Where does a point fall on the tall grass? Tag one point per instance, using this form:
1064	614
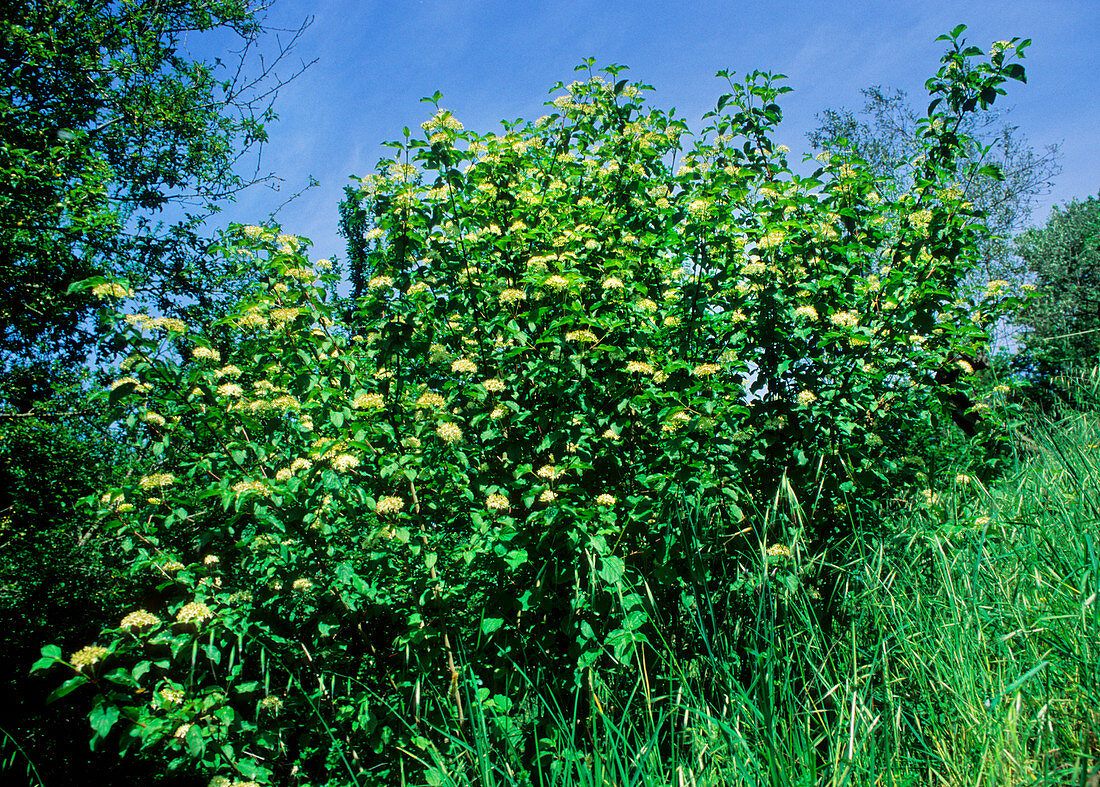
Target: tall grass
967	652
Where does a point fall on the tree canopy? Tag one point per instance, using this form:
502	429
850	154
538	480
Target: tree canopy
116	145
1061	322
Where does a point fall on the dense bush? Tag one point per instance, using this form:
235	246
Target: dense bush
362	521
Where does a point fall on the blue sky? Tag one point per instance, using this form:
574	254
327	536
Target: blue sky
494	60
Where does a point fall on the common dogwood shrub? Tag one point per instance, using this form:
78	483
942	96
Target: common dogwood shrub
356	519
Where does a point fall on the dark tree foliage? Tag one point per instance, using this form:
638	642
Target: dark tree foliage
354	224
884	134
58	578
1061	323
115	146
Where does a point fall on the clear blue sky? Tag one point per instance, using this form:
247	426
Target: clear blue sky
494	60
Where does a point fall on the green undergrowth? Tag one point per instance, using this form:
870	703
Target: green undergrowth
966	652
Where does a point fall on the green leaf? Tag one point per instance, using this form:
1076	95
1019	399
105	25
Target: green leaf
612	568
51	654
120	392
69	686
489	625
196	744
103	718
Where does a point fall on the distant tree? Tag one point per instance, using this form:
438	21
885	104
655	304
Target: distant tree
885	135
1062	321
116	145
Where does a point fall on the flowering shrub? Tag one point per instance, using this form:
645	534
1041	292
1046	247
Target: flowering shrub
562	332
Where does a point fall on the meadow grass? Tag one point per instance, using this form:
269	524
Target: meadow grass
967	652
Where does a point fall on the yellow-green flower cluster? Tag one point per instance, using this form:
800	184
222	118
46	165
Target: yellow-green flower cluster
287	243
449	432
379	282
920	219
230	371
206	354
138	385
194	612
156	480
549	472
806	398
442	119
844	319
139	619
676	421
284	315
706	369
772	239
582	335
87	656
300	464
493	385
252	319
389	505
344	462
271	703
512	296
638	367
231	390
111	290
301	273
497	503
806	312
369	401
251	488
464	366
158	323
430	400
605	500
285	402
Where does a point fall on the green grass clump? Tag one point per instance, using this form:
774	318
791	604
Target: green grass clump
966	652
